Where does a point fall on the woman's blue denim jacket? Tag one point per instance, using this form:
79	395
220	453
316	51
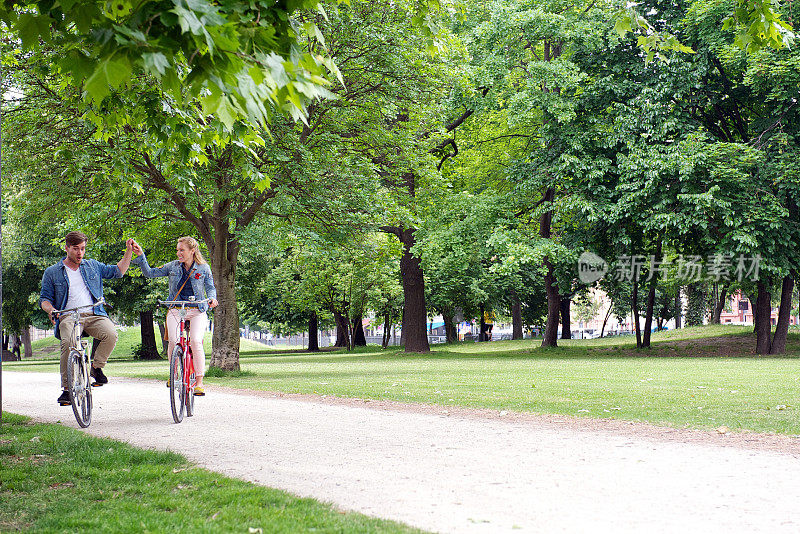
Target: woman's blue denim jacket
202	281
55	284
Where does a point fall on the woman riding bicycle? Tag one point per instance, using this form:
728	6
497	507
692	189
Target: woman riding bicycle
189	279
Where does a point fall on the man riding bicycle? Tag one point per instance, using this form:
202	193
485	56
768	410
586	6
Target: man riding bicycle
78	281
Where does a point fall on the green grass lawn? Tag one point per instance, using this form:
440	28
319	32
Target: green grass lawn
702	377
58	479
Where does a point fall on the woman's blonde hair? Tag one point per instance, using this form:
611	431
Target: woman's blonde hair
194	246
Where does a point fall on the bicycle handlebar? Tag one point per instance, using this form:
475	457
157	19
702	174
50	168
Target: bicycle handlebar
98	303
182	303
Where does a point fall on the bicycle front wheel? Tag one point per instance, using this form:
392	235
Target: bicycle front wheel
190	384
80	390
177	386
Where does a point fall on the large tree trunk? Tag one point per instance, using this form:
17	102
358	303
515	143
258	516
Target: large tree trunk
149	347
566	322
450	331
778	345
415	313
414	335
516	318
225	341
651	299
763	319
550	338
678	308
720	305
342	328
359	339
26	342
553	308
313	332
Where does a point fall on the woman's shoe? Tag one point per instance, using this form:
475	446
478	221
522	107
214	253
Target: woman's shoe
199	391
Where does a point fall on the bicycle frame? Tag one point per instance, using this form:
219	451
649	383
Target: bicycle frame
188	358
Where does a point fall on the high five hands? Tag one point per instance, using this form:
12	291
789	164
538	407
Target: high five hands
134	246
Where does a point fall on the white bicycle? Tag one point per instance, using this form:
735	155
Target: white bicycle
78	368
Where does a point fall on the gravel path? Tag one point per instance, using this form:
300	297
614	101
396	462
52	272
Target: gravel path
456	470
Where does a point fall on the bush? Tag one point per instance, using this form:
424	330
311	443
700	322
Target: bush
137	351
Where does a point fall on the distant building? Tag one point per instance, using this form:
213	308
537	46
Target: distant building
742	312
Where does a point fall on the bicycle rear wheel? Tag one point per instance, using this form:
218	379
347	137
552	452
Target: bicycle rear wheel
177	387
80	390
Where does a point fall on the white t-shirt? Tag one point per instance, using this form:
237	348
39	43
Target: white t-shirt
78	291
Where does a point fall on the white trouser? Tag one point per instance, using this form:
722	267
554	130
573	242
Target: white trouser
198	324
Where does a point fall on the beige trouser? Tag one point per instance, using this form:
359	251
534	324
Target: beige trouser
198	324
99	327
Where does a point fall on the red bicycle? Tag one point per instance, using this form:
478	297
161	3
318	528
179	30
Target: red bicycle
182	379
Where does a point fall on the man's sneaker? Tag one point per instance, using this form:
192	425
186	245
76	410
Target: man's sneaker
63	399
99	377
199	391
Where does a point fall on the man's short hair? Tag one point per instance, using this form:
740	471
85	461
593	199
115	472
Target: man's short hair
75	238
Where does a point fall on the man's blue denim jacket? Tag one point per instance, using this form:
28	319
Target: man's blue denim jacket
55	284
202	281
